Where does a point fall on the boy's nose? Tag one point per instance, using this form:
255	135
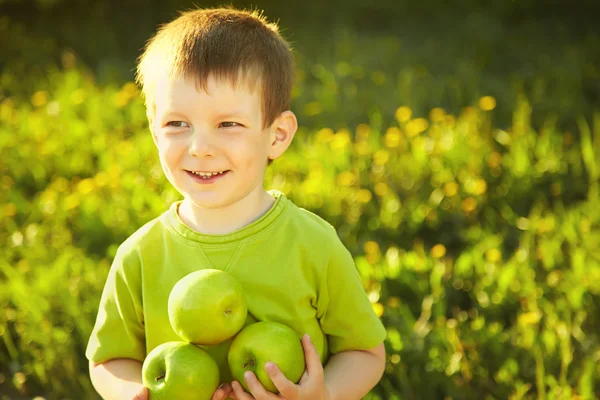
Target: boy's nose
200	145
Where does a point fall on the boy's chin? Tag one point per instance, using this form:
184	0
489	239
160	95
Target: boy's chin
213	200
208	202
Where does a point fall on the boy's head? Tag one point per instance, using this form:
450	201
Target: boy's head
239	47
218	85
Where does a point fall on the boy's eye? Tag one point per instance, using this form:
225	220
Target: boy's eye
229	124
177	124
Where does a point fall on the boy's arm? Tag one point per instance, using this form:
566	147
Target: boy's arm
118	379
351	374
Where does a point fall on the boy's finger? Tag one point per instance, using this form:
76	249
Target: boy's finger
217	395
232	396
313	361
304	378
222	392
142	394
256	388
238	391
227	389
286	387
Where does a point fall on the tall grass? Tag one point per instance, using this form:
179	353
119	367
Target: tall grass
478	244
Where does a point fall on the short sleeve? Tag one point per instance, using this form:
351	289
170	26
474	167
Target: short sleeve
346	314
119	328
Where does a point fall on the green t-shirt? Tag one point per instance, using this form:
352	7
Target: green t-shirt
290	262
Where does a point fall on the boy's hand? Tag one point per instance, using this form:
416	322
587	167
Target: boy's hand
222	392
142	394
310	387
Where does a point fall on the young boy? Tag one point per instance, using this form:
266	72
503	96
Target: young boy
217	84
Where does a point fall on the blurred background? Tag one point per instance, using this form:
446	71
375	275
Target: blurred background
455	146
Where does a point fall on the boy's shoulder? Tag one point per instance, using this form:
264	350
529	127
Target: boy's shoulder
317	237
145	237
312	227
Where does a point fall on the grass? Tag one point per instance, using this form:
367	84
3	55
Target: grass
468	199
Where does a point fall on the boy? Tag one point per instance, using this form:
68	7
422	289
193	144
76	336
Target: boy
217	84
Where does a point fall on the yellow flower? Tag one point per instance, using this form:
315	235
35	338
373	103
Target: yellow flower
85	186
371	247
469	204
39	98
340	140
493	255
487	103
346	178
450	120
10	210
529	318
378	308
392	137
362	148
438	251
546	224
381	189
324	135
494	159
365	195
437	114
130	89
416	126
450	189
403	114
71	202
381	157
479	187
393	302
363	131
121	99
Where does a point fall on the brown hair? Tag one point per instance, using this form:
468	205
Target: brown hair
225	43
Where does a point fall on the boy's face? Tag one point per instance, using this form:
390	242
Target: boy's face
212	145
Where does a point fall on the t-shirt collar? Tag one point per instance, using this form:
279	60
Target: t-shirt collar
173	221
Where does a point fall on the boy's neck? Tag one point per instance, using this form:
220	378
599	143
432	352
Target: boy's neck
228	219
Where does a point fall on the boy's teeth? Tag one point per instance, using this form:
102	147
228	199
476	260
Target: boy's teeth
206	174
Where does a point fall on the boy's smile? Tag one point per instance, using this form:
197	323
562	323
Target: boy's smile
213	147
206	177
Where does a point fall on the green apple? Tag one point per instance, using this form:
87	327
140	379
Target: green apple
266	341
207	307
220	351
179	370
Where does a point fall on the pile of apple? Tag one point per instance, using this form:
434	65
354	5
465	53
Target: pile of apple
207	308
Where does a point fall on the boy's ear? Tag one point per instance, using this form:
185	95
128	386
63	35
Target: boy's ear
282	133
151	126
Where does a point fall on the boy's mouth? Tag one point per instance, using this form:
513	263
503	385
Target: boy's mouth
206	176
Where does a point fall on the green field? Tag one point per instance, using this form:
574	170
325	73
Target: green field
461	171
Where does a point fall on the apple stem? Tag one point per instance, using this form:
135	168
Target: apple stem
160	377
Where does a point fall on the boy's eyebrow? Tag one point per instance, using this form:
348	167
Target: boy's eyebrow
171	112
232	113
238	113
